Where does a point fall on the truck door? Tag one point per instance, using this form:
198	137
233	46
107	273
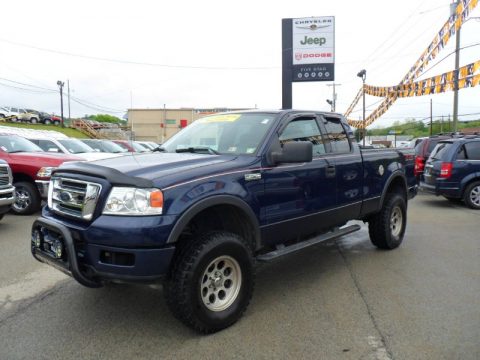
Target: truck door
349	170
298	197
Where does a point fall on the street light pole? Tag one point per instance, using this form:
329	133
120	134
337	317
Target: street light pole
363	75
60	85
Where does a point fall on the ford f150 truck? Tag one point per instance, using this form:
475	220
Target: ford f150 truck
31	169
7	191
228	190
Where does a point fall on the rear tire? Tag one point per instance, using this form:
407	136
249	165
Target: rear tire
33	120
387	227
472	195
211	282
27	199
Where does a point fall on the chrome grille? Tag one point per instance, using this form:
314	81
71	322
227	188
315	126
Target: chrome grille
74	198
5	175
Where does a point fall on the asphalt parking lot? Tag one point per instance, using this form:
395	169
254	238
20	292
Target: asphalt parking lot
342	299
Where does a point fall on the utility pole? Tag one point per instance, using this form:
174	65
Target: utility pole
333	102
431	118
453	7
68	89
164	123
60	85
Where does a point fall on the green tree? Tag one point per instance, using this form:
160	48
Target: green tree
104	118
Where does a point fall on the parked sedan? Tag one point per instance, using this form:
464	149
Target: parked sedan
104	146
69	146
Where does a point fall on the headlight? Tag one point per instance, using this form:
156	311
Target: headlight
132	201
45	172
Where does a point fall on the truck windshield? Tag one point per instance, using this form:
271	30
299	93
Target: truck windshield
76	146
14	144
236	134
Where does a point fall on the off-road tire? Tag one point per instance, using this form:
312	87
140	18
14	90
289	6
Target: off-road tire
27	199
186	281
472	195
387	227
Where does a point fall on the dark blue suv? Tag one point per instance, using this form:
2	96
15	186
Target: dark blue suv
453	170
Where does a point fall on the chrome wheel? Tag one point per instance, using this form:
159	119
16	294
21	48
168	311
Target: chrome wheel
475	195
396	221
221	283
22	199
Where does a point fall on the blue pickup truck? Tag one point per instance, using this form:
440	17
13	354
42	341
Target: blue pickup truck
228	190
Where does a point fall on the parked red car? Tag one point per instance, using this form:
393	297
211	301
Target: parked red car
31	169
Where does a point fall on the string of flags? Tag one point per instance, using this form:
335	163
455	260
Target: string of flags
437	84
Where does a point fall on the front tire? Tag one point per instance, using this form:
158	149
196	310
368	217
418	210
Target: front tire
472	195
33	120
387	227
211	282
27	199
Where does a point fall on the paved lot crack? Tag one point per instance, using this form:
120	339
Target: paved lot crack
382	351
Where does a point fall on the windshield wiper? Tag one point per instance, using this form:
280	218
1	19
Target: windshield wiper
198	149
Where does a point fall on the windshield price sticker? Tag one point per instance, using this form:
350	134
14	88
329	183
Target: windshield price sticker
220	118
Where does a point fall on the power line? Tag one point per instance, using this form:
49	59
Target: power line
129	62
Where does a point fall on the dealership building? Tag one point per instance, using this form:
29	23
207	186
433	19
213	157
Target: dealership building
159	125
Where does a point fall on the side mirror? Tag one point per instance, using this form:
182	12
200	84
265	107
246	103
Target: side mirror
294	152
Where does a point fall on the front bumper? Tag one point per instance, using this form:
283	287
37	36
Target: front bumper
7	197
92	264
42	187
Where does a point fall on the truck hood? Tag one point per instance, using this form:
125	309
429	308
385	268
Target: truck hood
155	168
93	156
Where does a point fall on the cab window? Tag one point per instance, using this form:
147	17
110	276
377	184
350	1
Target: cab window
337	135
304	129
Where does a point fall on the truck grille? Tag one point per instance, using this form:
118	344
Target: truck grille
5	176
74	198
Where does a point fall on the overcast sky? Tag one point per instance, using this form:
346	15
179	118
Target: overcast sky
216	54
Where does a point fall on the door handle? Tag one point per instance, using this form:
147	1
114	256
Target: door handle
330	171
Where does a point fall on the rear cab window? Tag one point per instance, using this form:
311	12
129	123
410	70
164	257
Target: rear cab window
337	135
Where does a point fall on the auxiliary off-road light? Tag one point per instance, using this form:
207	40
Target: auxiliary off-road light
57	249
36	238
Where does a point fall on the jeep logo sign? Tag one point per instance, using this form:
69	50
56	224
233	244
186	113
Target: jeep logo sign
310	41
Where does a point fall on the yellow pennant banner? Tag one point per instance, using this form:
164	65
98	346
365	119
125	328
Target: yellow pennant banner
434	85
440	40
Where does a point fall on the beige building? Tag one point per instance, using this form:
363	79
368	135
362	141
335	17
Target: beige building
159	125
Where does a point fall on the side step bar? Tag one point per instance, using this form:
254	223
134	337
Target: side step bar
306	243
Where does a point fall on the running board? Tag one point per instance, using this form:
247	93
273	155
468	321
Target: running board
304	244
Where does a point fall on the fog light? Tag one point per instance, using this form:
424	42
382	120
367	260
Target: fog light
57	250
36	238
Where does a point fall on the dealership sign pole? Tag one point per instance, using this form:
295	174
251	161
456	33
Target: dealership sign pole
308	52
